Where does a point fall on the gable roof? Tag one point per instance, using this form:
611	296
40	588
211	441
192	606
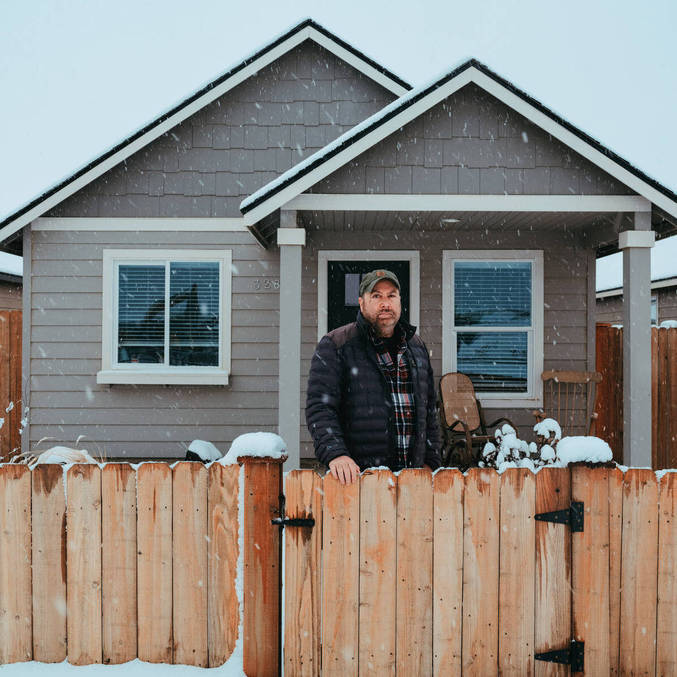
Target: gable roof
305	30
409	106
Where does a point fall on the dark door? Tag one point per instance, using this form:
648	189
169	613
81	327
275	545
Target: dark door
343	286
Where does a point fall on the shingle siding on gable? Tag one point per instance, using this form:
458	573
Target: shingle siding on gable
471	143
208	164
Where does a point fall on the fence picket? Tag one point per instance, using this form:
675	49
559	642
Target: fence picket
517	570
666	640
447	572
639	573
262	576
414	572
189	557
223	608
590	568
154	564
118	535
83	564
553	571
480	572
15	564
340	582
303	575
615	559
49	564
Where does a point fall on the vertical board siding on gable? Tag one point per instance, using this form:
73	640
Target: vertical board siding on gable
471	143
207	164
565	296
132	421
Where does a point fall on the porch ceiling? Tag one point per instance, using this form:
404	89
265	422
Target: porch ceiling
385	221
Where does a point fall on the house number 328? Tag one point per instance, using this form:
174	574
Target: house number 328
266	283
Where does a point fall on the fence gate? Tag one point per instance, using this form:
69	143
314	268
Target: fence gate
414	574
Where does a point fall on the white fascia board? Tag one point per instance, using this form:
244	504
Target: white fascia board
356	62
142	224
573	141
284	196
608	293
470	203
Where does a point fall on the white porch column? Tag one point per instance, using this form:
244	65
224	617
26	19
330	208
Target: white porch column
636	245
290	239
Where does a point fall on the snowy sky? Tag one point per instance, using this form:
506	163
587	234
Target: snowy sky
79	76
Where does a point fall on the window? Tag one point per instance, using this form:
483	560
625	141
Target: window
654	311
166	317
493	323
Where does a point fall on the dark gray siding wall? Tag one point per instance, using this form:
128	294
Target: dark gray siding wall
471	143
208	164
10	296
565	284
203	168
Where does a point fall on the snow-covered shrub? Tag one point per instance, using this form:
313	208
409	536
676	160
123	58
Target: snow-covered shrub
550	449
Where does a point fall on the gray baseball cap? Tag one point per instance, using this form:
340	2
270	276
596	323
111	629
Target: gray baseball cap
370	280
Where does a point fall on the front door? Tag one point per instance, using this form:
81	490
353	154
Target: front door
343	284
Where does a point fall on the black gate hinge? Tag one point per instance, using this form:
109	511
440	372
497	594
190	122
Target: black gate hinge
573	516
573	656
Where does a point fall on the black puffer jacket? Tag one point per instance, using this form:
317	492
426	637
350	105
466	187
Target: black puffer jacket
349	408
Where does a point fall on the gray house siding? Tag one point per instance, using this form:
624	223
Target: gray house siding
565	339
202	168
134	421
610	309
471	143
209	163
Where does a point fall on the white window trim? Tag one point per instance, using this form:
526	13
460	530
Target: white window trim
323	258
111	372
534	395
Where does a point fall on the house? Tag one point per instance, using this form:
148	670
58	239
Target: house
11	271
663	286
177	285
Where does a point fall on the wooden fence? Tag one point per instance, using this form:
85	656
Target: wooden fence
409	574
663	395
10	382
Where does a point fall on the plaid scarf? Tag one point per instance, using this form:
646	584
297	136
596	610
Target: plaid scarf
399	378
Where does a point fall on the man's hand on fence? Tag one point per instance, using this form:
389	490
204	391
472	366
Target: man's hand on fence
344	469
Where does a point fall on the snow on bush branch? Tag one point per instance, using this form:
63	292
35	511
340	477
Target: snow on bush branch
550	450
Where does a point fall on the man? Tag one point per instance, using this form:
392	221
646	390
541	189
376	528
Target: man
371	393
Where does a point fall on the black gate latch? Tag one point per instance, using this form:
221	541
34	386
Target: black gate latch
573	516
293	522
572	656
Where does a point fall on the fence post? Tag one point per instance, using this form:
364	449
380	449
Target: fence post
262	570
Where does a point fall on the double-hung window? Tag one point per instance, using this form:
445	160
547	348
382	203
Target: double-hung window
166	316
493	323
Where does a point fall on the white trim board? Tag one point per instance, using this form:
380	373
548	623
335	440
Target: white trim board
469	203
295	38
141	224
534	395
113	373
324	256
382	129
